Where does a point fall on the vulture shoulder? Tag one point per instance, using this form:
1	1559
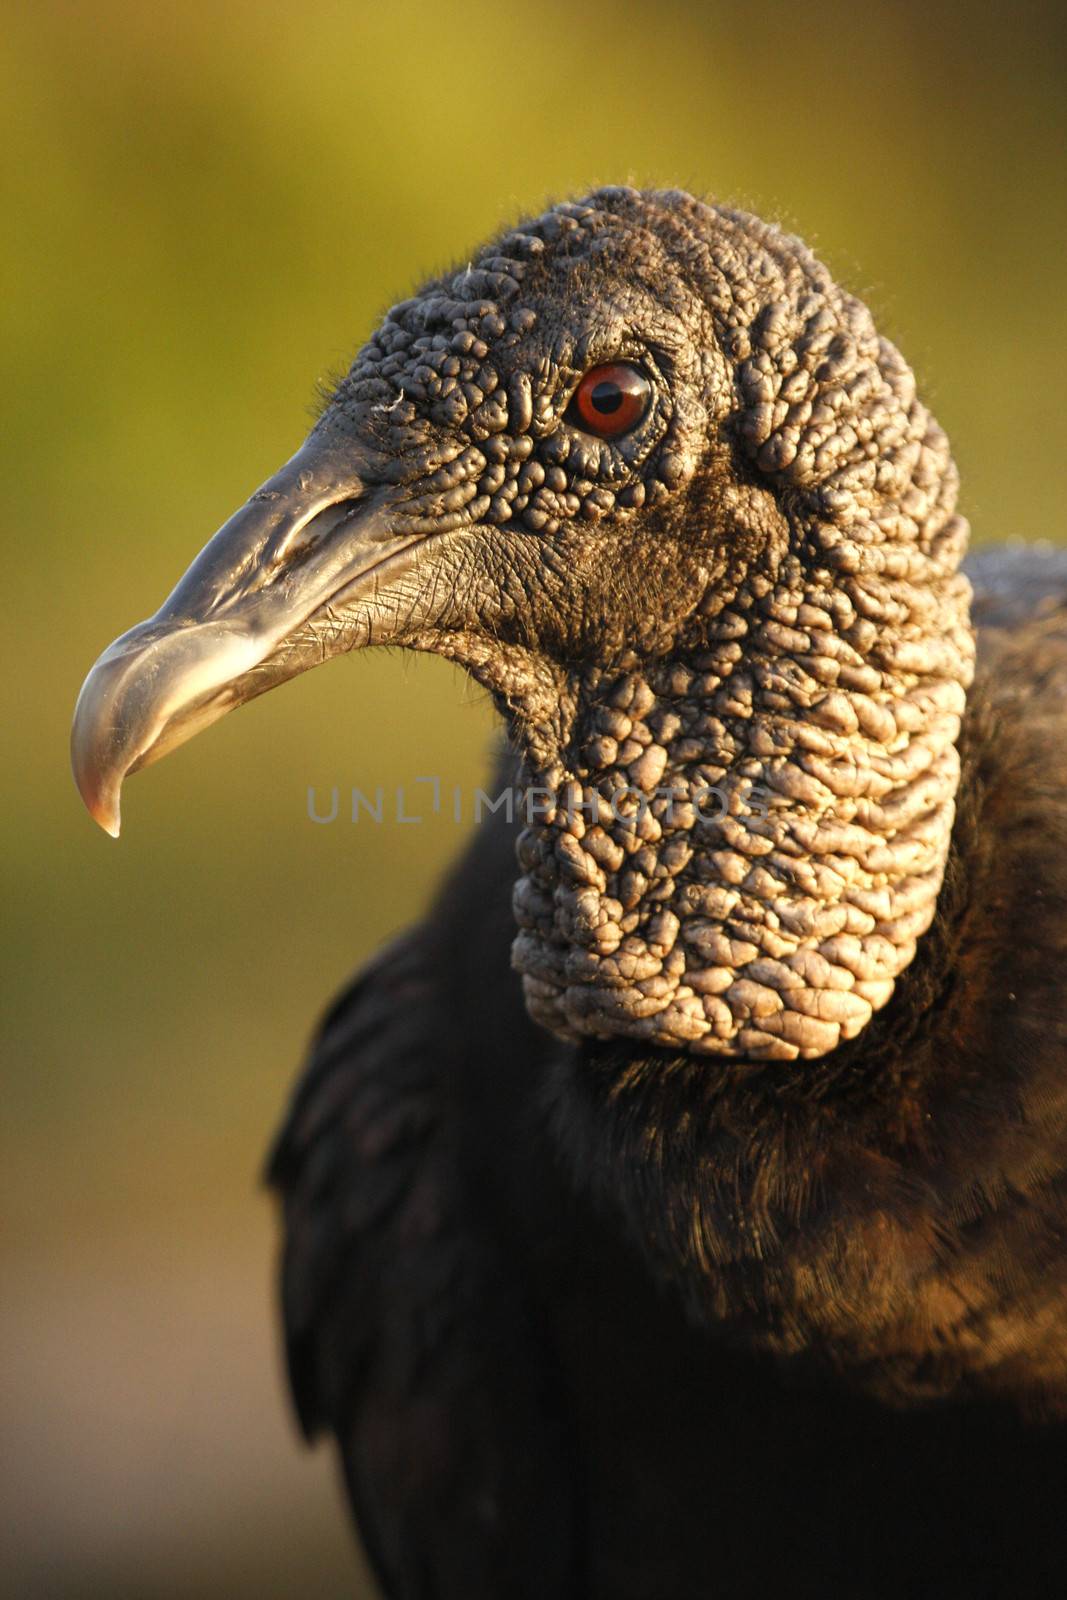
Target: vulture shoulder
407	1333
1016	584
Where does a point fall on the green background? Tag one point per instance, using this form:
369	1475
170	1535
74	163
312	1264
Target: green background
205	208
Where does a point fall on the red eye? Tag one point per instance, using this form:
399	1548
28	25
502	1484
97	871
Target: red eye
610	400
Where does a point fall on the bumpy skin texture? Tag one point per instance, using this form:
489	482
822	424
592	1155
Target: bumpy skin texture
745	1273
733	645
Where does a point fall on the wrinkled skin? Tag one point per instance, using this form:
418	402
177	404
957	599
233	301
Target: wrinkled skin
753	591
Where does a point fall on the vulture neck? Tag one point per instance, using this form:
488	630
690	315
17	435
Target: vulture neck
734	849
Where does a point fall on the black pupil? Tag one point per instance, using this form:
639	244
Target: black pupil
606	397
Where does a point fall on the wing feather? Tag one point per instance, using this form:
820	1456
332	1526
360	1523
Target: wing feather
406	1330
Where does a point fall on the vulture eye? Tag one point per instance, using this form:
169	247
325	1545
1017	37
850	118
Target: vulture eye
610	400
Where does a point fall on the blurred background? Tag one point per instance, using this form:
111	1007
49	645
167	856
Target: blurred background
205	208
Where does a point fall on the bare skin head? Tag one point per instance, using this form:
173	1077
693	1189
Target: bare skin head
656	481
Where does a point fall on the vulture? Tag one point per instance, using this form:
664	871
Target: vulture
680	1209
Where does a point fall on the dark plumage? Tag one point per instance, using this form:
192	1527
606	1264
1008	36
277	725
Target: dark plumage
711	1236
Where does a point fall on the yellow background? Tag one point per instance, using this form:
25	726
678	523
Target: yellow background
205	208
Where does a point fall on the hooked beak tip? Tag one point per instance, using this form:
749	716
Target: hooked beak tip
103	808
106	813
109	734
98	789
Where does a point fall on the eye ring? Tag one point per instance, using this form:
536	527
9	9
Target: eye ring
610	400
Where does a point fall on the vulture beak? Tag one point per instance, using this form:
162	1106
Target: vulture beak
260	603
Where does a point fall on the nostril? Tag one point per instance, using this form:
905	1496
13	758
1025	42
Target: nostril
298	541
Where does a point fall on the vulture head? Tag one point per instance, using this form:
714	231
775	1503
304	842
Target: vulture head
657	483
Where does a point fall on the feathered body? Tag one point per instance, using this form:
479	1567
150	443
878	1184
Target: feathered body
611	1321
